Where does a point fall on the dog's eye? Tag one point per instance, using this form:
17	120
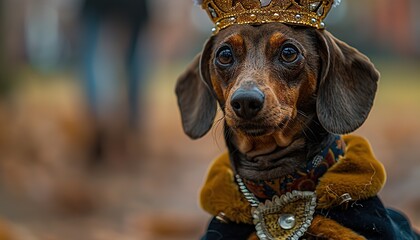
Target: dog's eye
289	53
224	56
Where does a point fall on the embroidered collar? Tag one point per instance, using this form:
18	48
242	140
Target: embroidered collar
358	174
288	205
305	179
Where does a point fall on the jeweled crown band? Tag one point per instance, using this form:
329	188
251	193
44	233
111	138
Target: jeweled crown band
225	13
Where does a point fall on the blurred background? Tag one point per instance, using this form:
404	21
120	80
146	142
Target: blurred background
91	144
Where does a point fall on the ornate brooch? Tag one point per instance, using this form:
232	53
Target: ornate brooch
286	217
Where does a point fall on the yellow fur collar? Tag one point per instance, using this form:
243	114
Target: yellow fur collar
357	173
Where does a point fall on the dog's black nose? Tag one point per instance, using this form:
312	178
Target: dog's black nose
247	102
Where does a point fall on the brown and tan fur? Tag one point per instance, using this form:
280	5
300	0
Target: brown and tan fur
329	89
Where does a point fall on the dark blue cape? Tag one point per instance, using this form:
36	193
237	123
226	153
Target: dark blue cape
368	218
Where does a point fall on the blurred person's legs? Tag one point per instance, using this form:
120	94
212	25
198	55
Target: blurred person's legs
110	54
100	67
90	36
138	60
136	69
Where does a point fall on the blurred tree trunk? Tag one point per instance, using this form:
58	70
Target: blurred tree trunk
4	82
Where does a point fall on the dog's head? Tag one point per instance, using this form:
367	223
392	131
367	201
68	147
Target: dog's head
273	80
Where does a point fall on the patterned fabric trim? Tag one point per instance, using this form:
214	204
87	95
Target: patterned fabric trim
305	179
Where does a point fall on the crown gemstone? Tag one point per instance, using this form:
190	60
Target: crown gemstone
265	3
313	20
298	17
322	24
320	11
253	17
314	6
213	12
232	19
276	16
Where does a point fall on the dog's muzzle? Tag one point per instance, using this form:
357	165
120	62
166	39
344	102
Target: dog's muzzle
247	103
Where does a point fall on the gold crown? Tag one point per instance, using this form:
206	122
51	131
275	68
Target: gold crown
225	13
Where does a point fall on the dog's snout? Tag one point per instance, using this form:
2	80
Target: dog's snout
247	102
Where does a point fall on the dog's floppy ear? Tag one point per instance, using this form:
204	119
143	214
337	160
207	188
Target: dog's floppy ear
196	101
347	86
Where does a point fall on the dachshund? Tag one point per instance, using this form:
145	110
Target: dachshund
285	93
